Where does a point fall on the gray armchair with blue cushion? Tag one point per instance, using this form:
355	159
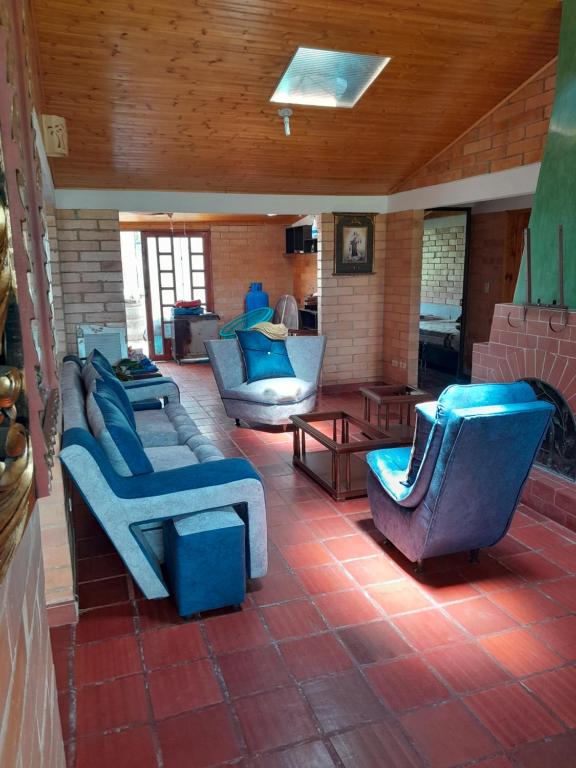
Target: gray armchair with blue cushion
268	400
458	487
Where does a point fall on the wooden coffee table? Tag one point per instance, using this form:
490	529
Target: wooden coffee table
339	466
402	399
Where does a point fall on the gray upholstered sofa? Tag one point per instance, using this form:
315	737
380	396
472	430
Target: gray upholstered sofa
269	401
189	474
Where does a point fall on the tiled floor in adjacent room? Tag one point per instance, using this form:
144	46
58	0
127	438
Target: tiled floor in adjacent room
339	657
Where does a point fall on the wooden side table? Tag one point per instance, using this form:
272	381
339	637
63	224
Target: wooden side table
399	396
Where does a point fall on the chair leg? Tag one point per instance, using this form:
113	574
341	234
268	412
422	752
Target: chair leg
237	422
474	555
419	567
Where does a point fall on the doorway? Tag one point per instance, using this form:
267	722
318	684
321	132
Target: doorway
445	252
176	268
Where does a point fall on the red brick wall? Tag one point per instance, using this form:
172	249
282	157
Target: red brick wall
513	134
246	253
402	278
30	732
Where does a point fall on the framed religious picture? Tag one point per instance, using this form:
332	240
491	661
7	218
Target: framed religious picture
354	243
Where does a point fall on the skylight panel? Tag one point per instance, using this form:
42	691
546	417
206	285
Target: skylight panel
318	78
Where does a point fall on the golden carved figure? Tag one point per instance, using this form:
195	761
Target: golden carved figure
16	466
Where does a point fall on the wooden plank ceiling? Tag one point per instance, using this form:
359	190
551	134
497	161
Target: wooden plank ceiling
174	95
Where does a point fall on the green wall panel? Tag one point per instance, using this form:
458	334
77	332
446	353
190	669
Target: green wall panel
555	199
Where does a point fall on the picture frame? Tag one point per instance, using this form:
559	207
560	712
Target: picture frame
354	243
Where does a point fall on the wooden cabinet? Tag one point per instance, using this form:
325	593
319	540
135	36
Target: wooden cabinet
300	240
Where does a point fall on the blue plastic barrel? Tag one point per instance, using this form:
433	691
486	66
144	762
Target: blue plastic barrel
256	297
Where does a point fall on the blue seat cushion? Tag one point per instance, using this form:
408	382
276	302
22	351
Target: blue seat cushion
281	391
264	358
119	439
389	466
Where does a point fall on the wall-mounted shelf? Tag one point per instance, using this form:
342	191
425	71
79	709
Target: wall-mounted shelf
300	240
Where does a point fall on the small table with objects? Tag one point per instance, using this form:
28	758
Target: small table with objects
336	460
393	401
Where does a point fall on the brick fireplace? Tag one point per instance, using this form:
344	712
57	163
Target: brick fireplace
537	348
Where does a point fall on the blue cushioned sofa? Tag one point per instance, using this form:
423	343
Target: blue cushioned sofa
180	473
458	487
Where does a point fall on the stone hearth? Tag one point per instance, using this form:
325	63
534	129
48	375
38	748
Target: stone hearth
537	348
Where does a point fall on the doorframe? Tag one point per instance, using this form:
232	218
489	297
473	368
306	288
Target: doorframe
467	210
176	231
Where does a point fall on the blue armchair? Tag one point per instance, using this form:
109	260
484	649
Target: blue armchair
458	487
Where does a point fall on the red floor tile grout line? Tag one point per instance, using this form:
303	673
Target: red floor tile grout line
435	607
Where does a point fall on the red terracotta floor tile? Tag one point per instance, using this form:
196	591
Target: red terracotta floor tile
480	616
559	635
92	546
343	700
103	567
512	715
116	657
207	735
373	570
313	510
253	670
61	659
533	567
342	609
175	690
399	597
311	755
446	587
294	619
556	752
306	555
490	575
505	547
296	532
466	667
494	762
538	537
326	578
112	704
64	711
103	623
154	614
563	590
236	632
164	647
562	555
527	605
276	563
314	656
406	683
331	527
557	689
132	748
428	629
377	641
351	547
94	594
276	588
372	746
520	653
274	719
448	735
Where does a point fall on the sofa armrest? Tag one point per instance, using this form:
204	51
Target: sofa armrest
148	389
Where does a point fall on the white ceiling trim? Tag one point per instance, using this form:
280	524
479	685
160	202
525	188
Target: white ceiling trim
490	186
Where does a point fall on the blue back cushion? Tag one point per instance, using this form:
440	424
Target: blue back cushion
122	433
97	357
477	395
110	385
263	357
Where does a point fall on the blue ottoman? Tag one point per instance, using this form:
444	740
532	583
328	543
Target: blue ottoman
204	556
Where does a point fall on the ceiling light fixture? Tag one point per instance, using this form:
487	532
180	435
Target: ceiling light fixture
286	114
319	78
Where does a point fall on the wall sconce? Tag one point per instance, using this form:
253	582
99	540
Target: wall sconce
286	114
55	135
